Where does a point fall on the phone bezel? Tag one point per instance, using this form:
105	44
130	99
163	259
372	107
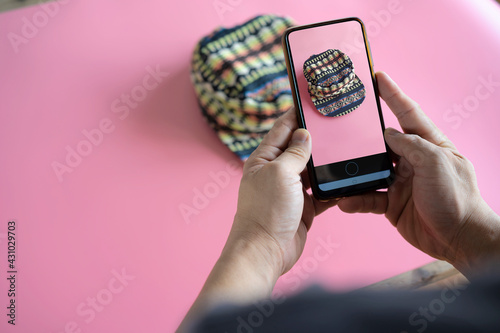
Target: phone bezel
354	189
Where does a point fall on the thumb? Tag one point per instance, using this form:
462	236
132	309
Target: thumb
410	146
298	152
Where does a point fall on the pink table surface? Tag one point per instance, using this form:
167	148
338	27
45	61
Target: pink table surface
105	247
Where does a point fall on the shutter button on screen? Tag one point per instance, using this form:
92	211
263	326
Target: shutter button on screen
351	168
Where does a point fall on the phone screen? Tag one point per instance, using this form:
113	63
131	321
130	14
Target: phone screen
339	105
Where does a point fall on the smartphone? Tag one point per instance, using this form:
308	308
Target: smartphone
336	98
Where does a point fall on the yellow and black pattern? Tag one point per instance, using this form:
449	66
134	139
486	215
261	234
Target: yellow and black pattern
240	79
334	88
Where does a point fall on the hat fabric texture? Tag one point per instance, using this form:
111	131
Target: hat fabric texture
240	79
332	84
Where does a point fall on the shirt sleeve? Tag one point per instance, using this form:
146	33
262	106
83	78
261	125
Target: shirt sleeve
453	308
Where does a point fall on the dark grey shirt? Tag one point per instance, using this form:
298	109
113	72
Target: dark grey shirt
454	308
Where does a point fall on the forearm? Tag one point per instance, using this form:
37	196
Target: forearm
478	242
240	276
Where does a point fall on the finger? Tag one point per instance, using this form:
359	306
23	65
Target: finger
322	206
372	202
410	116
275	141
296	156
306	182
412	147
282	130
308	213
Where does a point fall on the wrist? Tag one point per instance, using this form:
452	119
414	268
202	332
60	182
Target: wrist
257	256
243	274
478	241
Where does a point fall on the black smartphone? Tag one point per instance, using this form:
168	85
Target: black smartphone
336	98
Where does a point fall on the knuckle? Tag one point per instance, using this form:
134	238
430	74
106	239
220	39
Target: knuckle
284	123
469	165
413	138
297	151
420	151
276	170
463	163
414	144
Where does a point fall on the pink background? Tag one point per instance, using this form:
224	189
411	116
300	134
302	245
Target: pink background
120	207
356	134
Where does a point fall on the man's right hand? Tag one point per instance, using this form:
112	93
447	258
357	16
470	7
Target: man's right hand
434	202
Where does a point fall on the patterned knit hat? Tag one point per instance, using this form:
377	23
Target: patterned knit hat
334	87
240	79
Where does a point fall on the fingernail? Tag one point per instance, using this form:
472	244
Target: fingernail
300	135
391	131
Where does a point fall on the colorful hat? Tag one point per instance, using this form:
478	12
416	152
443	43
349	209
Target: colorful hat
332	84
240	79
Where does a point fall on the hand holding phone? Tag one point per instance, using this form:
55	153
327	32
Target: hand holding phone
336	98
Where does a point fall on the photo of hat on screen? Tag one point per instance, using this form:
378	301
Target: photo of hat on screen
333	86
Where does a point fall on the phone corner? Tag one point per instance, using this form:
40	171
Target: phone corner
287	32
357	19
318	196
392	178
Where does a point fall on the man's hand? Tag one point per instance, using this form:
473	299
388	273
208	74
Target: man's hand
434	202
270	227
274	209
